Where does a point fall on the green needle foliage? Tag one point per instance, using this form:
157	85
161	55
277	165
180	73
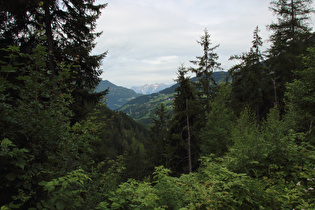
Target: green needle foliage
216	136
301	99
251	84
205	66
290	39
69	29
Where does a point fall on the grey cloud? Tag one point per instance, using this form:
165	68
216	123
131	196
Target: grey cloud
148	39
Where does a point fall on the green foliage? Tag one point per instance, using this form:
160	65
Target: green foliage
214	186
143	107
158	135
134	195
170	190
64	191
39	144
104	179
15	156
273	156
121	135
290	39
183	142
251	84
257	148
230	190
206	65
69	29
34	117
49	160
13	162
216	136
248	148
301	99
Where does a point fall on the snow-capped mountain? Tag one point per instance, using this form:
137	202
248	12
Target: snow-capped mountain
150	88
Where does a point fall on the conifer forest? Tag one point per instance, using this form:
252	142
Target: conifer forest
245	142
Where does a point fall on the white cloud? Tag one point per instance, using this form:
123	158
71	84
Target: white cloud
148	39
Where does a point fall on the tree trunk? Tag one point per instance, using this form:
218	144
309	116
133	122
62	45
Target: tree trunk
276	103
48	31
188	138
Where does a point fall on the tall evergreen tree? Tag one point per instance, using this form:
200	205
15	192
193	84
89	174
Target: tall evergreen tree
250	80
301	98
35	124
216	136
183	148
290	39
69	29
205	66
159	134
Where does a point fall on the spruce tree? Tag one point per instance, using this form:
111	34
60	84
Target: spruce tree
183	148
250	80
216	136
289	40
159	134
205	66
301	99
69	27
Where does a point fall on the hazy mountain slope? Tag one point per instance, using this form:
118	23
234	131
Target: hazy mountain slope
117	95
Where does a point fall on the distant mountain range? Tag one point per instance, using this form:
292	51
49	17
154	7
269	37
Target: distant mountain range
142	108
117	95
150	88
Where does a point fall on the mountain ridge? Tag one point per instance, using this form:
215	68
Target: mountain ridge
117	95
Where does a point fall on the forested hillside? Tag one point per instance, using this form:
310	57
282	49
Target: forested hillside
246	143
117	95
142	108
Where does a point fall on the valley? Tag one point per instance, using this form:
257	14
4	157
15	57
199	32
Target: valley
141	107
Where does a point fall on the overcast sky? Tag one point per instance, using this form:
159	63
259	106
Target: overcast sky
147	40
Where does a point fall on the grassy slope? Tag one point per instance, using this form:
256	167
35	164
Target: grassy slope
142	108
